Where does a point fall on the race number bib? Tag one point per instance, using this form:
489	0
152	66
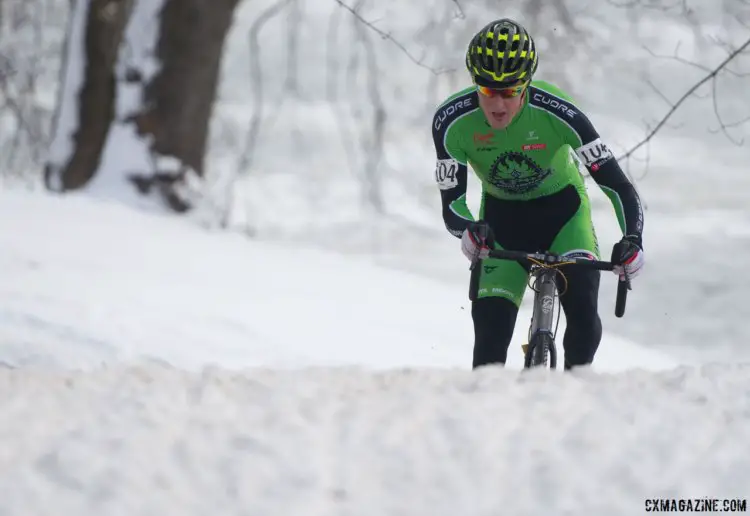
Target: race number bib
446	173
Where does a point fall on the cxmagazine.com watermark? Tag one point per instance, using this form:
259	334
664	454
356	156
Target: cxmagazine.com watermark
695	505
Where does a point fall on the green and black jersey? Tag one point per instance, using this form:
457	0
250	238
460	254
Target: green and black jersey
514	164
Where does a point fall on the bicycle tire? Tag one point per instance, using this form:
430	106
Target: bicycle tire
541	352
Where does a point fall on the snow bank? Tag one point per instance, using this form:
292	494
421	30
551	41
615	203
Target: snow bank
156	440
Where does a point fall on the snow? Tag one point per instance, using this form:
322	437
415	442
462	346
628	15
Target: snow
152	365
155	367
138	53
142	278
156	440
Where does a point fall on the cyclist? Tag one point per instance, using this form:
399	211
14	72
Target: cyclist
527	141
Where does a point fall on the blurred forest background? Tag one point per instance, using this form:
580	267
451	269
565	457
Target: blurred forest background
338	96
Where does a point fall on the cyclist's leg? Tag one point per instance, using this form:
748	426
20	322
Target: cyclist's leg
501	288
580	288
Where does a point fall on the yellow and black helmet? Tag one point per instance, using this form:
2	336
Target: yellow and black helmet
501	54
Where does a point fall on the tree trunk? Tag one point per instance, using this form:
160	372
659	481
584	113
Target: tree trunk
179	100
105	24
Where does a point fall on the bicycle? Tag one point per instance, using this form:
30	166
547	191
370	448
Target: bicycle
543	269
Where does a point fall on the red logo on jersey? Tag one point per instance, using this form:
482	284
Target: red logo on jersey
483	138
534	146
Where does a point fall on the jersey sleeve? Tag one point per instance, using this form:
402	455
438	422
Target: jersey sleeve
599	161
451	172
606	172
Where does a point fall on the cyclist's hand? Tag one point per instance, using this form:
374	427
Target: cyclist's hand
476	241
628	252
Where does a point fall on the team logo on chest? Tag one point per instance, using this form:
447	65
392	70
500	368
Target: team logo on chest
484	142
515	173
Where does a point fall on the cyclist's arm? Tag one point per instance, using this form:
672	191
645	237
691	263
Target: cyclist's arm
596	156
606	172
603	167
451	176
608	175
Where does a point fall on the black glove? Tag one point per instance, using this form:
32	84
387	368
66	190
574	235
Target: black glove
628	255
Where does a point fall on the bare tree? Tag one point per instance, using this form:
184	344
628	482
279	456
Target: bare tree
729	11
373	142
105	23
711	75
291	83
385	35
180	98
25	46
177	102
251	138
333	67
369	120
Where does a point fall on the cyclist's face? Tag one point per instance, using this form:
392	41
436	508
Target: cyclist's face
499	107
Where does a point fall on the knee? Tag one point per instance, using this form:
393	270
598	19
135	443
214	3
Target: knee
585	326
582	338
586	319
580	301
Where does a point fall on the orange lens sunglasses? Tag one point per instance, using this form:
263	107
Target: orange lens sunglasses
506	93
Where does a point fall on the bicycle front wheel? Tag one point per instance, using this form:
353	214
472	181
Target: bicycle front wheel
541	352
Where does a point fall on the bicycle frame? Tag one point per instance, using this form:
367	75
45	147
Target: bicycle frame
541	339
544	301
544	269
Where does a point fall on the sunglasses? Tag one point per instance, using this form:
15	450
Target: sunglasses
506	93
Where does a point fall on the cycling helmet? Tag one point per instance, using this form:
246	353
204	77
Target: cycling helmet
501	54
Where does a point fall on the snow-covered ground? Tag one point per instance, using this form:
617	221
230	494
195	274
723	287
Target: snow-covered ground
157	368
157	440
86	281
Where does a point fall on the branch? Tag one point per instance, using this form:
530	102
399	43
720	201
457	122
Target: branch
658	92
628	4
291	83
633	3
256	76
461	13
332	70
700	83
691	63
723	126
387	36
734	124
14	103
374	147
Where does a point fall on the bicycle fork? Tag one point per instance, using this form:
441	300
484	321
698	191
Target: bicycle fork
541	336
